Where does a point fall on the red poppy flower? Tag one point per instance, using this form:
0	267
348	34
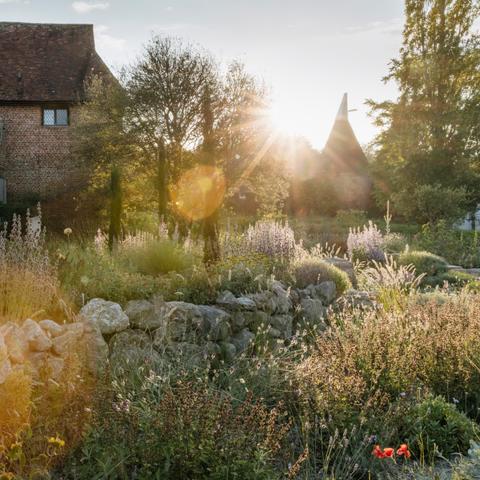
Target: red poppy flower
378	452
385	453
403	450
388	452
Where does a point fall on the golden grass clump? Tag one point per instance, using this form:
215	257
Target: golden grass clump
28	278
15	401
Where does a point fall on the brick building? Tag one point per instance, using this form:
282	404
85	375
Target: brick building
43	70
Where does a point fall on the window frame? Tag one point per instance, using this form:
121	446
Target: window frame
55	108
3	197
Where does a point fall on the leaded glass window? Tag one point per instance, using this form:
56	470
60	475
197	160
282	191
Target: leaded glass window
55	117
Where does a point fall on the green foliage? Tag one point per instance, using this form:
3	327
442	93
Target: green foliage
432	203
316	198
424	262
468	468
186	430
461	468
459	248
271	188
457	279
311	271
366	361
351	218
155	257
430	133
239	275
391	284
88	274
436	424
394	243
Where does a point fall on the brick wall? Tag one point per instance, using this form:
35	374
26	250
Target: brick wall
37	160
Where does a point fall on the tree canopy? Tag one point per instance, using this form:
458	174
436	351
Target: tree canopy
430	134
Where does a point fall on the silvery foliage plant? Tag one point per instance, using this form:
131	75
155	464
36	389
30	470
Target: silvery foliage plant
366	243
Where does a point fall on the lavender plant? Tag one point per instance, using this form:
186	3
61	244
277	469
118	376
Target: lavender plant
366	243
271	238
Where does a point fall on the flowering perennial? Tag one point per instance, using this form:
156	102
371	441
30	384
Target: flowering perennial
366	243
389	452
273	239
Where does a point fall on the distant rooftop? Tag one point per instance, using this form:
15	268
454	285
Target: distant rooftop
342	152
47	62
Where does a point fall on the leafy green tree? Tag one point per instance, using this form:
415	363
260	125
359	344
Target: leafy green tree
153	126
166	89
430	135
431	203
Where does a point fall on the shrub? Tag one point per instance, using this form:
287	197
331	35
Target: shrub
239	275
89	273
460	248
366	243
42	419
394	243
456	279
310	271
431	203
424	262
467	468
191	431
367	359
15	398
156	257
436	424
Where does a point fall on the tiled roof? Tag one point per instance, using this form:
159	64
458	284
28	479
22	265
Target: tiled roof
342	152
47	62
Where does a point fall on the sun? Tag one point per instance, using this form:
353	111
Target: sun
284	119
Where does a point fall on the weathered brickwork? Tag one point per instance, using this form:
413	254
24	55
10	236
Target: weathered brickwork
43	65
38	160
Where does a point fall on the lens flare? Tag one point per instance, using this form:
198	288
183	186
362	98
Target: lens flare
199	192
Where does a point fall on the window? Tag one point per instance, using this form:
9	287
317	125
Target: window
3	190
55	117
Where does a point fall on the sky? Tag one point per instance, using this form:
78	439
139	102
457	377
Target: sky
309	52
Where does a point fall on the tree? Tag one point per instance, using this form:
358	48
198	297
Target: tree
177	111
211	252
101	141
430	135
252	155
114	231
166	90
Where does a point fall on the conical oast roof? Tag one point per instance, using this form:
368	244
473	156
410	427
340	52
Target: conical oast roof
344	165
342	152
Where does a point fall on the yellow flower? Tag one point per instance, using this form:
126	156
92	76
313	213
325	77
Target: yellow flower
57	441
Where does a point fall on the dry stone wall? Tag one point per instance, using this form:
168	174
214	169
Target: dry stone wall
148	330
